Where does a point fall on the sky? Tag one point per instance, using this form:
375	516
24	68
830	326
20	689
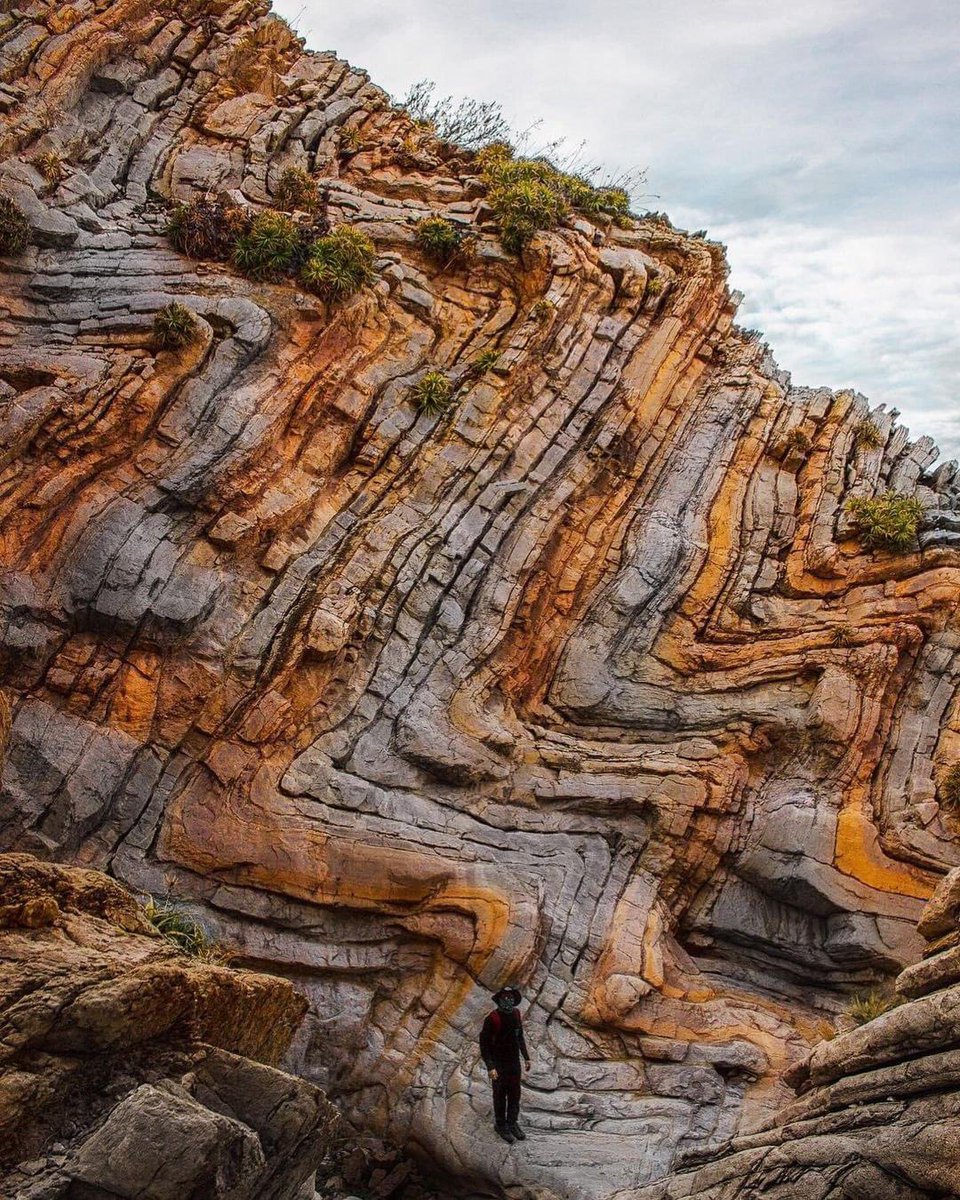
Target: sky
818	139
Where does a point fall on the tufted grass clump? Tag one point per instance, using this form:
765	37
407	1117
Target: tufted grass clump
797	439
531	194
297	190
887	522
50	166
339	263
174	327
542	309
187	934
350	143
484	362
439	239
14	227
843	635
948	789
867	1006
433	393
268	248
868	435
468	123
208	228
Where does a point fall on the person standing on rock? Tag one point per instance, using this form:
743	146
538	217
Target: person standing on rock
501	1046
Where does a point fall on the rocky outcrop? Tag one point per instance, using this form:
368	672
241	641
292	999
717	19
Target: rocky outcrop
130	1070
583	683
879	1107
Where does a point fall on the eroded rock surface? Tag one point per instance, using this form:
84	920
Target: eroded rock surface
879	1111
582	684
130	1070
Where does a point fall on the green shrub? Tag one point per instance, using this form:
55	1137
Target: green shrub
467	123
433	393
530	194
339	263
887	522
296	190
207	228
868	435
867	1006
654	285
542	309
174	327
50	166
948	788
439	238
183	931
350	142
14	227
268	248
797	439
484	362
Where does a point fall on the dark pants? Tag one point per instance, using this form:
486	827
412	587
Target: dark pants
506	1098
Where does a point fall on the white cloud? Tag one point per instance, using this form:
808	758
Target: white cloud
819	140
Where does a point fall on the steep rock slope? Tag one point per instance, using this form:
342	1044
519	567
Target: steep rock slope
582	683
879	1111
126	1067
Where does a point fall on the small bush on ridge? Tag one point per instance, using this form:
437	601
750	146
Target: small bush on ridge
887	522
530	194
184	932
296	190
433	393
797	439
867	1006
484	362
14	227
207	228
948	788
339	263
868	434
269	246
439	238
468	123
174	327
50	166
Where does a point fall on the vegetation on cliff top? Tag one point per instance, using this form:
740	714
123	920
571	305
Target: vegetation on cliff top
887	522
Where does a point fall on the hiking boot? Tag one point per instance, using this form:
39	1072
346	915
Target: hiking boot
504	1132
518	1134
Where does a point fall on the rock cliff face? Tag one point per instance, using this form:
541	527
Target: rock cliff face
126	1069
583	683
879	1111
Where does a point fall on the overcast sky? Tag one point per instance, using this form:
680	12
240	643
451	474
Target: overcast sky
819	139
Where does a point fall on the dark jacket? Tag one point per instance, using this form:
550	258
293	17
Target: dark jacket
502	1043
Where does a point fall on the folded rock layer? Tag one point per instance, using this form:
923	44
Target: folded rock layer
583	683
128	1069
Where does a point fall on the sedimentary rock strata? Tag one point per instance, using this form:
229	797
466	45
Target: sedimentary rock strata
130	1070
584	683
879	1107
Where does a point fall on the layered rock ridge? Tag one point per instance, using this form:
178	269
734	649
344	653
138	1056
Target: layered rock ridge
129	1070
583	683
879	1107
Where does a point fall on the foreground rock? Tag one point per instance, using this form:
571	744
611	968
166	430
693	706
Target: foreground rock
878	1116
582	683
130	1070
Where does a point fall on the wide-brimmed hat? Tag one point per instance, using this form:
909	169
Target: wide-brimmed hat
506	991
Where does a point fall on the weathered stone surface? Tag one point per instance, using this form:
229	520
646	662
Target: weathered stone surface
583	683
878	1117
122	1065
